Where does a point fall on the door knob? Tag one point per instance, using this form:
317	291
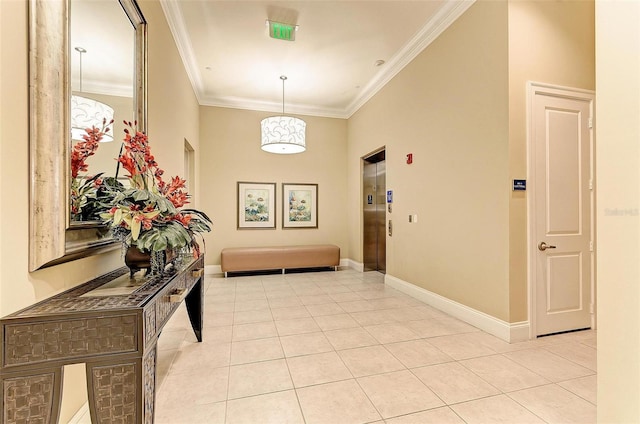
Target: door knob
544	246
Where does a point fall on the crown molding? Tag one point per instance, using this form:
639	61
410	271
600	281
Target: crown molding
109	89
447	14
264	106
173	13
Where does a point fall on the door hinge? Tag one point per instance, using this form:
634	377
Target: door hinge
591	308
590	184
590	122
591	246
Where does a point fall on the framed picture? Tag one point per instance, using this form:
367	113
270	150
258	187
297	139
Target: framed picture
256	205
299	205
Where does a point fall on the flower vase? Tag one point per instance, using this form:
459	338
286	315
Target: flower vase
136	260
154	263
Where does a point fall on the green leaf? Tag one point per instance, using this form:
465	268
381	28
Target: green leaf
135	228
150	215
117	217
197	213
141	195
160	244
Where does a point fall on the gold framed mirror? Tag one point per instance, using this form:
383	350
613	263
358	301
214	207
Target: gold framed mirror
53	238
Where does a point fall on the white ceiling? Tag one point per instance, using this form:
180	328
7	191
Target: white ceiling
101	28
331	66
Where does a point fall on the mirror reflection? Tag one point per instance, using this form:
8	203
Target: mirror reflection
102	64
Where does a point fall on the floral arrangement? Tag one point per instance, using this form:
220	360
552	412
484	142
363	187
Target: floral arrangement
146	214
85	189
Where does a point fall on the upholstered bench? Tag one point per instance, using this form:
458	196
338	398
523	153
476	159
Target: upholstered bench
238	259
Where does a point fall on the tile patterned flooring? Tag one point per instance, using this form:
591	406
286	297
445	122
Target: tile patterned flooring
341	347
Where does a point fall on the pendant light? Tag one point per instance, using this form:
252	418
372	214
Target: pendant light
283	134
87	113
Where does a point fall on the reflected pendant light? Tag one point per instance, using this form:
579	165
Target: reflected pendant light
87	113
283	134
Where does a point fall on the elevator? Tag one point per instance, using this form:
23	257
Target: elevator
374	212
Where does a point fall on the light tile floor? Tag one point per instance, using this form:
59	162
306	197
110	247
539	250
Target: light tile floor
340	347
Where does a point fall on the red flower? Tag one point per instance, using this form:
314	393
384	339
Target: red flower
128	164
182	219
178	199
174	192
137	157
87	147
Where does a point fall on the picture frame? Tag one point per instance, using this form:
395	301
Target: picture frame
256	205
299	205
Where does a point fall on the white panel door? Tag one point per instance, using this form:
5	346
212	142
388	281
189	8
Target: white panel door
562	230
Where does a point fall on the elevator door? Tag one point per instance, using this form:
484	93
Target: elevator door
375	241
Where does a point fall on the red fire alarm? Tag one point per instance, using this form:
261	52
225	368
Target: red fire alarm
409	158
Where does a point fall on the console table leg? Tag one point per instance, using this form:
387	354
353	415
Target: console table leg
31	398
149	363
117	388
194	302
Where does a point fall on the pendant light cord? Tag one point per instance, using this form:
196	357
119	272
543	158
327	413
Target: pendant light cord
283	78
81	72
80	50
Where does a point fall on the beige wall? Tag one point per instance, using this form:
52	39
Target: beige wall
449	108
618	189
170	122
173	107
431	109
231	145
550	42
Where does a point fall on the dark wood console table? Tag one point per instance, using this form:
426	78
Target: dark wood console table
110	326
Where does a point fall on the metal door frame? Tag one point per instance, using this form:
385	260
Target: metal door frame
366	159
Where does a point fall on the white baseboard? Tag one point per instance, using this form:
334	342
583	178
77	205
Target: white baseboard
520	331
81	416
510	332
212	269
350	263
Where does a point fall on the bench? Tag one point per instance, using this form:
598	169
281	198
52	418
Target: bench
238	259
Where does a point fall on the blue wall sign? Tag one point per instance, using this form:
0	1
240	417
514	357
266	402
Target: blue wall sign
519	185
